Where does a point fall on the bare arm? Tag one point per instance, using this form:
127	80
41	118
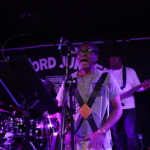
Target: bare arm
114	115
59	116
97	138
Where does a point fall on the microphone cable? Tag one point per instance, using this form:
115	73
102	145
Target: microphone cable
6	60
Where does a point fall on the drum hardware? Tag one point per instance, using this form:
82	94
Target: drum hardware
54	140
48	126
12	129
9	139
16	109
44	131
2	130
5	111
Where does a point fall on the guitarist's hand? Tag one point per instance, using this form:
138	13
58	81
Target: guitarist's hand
146	84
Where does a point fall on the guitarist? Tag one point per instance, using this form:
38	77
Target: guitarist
124	131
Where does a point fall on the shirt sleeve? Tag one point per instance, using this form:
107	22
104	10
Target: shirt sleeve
136	81
114	89
60	94
135	78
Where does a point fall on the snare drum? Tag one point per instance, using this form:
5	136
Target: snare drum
51	121
42	131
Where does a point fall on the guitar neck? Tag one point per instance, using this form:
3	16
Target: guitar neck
130	92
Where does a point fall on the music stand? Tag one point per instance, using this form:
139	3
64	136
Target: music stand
26	89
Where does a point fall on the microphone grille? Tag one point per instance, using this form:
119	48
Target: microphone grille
75	51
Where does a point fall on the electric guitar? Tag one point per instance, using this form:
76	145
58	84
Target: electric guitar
131	91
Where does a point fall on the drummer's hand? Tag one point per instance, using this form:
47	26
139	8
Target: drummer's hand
96	141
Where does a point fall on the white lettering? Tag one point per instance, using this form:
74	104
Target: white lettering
43	63
35	65
56	80
74	63
51	62
64	62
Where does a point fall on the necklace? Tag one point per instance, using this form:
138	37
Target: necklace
87	85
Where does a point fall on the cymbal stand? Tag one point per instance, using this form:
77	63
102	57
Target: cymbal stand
48	145
27	109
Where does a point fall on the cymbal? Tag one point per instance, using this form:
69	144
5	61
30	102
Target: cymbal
50	116
2	110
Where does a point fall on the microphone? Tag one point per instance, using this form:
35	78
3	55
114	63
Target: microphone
72	48
60	42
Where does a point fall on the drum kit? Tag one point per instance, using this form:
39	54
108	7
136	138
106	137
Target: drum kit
43	134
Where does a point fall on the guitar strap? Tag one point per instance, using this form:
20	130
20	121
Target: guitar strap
89	103
124	80
123	77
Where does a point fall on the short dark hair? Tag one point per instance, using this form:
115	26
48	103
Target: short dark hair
96	49
116	54
48	83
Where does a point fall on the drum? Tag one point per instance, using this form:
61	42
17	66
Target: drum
51	121
43	131
49	143
8	125
54	141
17	126
46	127
19	143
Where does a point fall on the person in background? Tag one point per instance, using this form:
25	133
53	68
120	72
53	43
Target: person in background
50	87
124	131
87	135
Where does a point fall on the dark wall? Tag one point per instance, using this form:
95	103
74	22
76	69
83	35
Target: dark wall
47	20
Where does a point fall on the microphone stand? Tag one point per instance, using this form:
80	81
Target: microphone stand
63	121
69	85
26	115
73	85
27	131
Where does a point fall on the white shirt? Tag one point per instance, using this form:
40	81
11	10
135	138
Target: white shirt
132	80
